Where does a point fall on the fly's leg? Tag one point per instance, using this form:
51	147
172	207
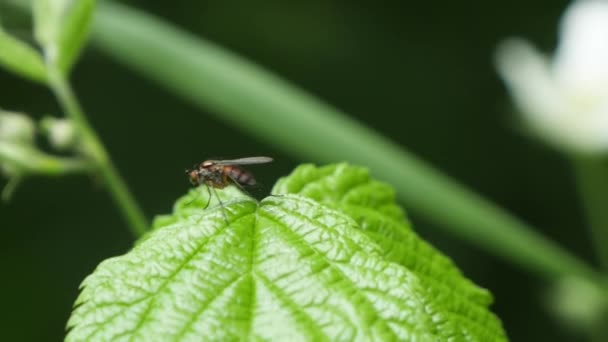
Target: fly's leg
208	196
195	198
221	205
242	188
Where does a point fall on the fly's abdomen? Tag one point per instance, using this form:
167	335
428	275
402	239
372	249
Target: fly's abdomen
239	175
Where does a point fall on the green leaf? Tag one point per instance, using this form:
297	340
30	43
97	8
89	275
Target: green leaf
20	58
287	268
47	21
75	32
372	205
61	27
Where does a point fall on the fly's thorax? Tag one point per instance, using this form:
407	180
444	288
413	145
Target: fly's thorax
207	163
211	176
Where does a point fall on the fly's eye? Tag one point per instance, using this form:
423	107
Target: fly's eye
193	177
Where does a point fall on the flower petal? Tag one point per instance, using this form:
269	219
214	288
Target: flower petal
581	60
527	75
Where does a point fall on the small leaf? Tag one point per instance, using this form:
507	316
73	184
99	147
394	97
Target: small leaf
47	20
61	27
20	58
288	268
75	32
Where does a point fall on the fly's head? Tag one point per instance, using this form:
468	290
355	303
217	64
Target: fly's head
193	176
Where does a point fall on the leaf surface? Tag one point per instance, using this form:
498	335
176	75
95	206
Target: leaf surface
372	205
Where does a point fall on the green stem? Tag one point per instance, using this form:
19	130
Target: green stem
592	179
10	187
94	148
33	161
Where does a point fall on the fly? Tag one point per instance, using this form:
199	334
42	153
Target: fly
217	174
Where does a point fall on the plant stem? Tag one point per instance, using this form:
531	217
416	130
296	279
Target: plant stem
592	179
32	161
96	151
10	187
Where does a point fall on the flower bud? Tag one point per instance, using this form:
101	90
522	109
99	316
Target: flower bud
60	132
16	128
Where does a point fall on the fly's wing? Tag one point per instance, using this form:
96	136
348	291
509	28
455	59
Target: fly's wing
242	161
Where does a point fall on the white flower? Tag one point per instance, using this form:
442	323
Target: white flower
564	100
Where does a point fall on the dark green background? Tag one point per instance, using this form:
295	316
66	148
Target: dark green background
419	72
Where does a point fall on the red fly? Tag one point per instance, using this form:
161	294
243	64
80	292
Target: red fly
217	174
